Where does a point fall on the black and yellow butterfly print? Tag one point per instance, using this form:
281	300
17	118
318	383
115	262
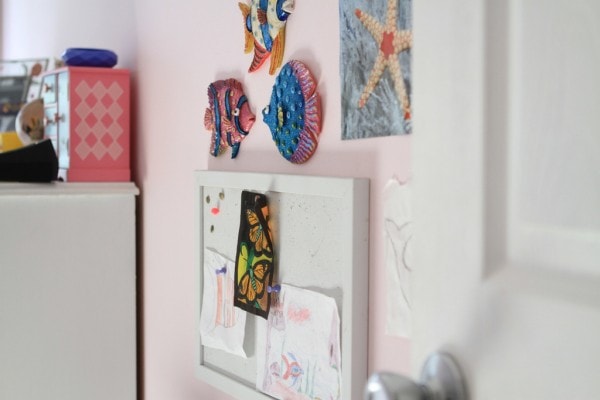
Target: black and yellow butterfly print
254	259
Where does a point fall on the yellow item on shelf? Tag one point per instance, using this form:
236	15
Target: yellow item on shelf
9	141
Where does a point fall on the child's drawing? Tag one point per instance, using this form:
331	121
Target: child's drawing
398	234
301	357
222	326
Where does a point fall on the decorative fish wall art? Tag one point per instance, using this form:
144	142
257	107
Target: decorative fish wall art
228	116
264	22
294	112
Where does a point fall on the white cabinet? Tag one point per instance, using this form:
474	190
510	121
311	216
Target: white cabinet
67	291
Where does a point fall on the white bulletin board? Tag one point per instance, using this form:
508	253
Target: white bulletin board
320	230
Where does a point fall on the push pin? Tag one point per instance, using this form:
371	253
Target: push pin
221	270
274	289
217	209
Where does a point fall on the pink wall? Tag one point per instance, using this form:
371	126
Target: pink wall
174	51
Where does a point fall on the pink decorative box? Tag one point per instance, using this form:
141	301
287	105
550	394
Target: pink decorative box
86	115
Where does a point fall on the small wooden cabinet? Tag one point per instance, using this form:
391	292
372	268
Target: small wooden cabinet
86	115
67	291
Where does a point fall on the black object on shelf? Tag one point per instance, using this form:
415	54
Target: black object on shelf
33	163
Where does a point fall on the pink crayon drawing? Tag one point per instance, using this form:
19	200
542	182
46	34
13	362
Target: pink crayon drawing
298	314
221	327
224	315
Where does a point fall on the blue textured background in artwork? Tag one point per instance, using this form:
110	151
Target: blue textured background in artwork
382	115
285	113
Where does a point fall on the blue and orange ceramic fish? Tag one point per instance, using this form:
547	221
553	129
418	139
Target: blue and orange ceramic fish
265	30
228	116
294	113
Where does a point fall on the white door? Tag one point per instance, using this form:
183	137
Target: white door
507	194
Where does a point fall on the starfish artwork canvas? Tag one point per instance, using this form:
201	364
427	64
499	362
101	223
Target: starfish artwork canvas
375	66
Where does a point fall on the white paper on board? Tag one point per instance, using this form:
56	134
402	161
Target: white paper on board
300	358
398	234
222	326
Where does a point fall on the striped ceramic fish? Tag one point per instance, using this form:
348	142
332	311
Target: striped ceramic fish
228	116
265	30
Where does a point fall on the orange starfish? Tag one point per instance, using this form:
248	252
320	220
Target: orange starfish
391	42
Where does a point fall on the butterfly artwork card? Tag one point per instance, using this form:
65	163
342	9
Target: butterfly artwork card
222	326
301	357
254	259
375	67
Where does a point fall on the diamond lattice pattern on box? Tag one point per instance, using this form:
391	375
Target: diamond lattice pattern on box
99	129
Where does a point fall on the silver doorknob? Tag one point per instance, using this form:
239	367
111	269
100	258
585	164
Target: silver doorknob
441	379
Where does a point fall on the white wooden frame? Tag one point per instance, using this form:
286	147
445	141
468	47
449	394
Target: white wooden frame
351	197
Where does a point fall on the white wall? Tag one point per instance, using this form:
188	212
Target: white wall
174	50
40	28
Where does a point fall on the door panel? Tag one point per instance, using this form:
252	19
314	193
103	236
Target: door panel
554	140
507	194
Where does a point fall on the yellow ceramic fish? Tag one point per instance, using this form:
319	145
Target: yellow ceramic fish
265	30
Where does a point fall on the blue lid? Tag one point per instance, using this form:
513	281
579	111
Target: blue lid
83	57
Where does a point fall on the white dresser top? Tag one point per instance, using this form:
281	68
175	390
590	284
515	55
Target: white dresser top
67	188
